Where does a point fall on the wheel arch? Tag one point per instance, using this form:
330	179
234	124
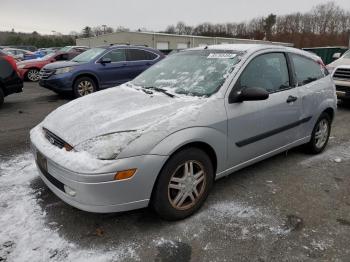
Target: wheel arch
90	75
330	111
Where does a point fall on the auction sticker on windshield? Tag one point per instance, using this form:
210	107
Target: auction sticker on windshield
221	55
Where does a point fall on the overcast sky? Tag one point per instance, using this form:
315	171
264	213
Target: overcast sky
65	16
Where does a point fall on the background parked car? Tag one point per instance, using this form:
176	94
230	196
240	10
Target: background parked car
18	54
98	68
340	70
10	82
25	47
29	69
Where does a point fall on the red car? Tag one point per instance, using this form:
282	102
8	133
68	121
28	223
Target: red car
29	69
10	82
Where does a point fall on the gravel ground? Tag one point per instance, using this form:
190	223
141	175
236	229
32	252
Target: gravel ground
292	207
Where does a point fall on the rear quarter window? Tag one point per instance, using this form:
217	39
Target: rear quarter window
306	70
140	55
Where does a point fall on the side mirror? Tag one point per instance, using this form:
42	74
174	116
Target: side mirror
248	94
105	60
336	55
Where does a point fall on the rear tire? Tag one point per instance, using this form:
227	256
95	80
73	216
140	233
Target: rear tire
84	86
177	195
1	97
33	75
320	135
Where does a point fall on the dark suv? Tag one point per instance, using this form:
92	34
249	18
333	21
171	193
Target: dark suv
10	82
98	68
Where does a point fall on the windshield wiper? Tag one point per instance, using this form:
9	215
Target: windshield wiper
158	89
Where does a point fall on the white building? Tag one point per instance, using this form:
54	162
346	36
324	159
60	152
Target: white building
164	42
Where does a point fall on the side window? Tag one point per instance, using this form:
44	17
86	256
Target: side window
62	57
117	55
267	71
140	55
306	70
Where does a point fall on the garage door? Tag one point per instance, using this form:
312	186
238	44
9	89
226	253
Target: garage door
182	46
162	45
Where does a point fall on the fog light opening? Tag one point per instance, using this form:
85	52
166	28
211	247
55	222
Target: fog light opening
69	191
125	174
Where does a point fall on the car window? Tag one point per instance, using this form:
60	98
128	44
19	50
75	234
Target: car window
117	55
306	70
268	71
62	57
140	55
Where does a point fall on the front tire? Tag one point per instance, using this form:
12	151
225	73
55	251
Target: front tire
33	75
183	184
84	86
320	135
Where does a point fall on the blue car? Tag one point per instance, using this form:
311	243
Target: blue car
98	68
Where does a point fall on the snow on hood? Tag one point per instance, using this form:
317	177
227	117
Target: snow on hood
115	110
340	62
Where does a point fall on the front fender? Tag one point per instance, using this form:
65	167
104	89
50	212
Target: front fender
210	136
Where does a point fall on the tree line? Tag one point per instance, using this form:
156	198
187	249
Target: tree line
35	39
325	24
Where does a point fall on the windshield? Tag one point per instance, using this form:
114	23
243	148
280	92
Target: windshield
48	56
65	49
196	72
88	55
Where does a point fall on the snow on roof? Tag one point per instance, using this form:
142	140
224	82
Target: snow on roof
237	47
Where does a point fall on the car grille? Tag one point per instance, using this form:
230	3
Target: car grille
342	73
53	139
46	73
343	88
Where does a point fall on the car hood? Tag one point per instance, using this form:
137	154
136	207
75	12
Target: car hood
34	62
340	62
120	109
61	64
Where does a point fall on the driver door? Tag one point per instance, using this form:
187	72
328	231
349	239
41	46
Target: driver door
259	127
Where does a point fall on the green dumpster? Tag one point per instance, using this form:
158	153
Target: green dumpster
326	53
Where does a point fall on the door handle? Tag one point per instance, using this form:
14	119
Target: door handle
291	99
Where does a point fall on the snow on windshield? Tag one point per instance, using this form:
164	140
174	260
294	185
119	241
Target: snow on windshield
192	72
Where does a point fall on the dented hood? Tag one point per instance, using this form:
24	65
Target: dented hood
114	110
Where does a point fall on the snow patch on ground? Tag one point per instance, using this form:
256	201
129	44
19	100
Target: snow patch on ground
334	154
23	227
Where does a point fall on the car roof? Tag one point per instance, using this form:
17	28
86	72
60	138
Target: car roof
252	48
109	47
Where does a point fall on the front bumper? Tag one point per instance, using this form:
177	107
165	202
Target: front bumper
99	192
57	84
22	72
343	89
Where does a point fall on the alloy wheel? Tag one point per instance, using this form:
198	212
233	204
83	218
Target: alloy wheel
85	88
321	134
33	75
187	185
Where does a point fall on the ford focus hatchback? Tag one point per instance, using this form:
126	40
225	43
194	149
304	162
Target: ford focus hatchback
162	139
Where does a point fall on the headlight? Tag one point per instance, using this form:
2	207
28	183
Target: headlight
63	70
108	147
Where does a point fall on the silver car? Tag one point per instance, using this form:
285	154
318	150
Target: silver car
162	139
